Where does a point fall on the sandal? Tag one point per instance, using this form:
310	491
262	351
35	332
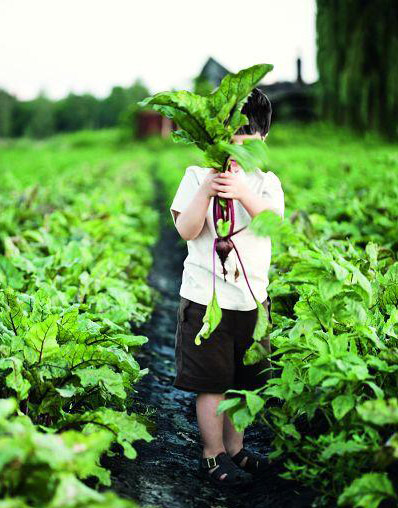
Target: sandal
235	475
255	463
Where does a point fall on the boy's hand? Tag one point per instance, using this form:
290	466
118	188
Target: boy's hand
229	185
207	184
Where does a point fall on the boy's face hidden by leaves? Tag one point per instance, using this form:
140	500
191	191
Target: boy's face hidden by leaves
238	140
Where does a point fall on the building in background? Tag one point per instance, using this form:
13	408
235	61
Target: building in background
151	122
291	100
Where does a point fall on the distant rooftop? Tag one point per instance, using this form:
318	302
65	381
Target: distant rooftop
214	72
288	98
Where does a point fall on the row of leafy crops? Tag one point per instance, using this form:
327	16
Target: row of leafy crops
76	225
332	401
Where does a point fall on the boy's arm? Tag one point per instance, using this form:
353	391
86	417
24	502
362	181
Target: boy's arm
254	204
191	203
189	222
272	197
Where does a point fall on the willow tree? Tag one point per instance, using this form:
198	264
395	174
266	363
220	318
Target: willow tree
357	58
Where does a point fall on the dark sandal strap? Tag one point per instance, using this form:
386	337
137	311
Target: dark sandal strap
253	463
209	462
226	466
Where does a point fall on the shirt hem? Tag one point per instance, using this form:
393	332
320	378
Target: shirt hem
199	298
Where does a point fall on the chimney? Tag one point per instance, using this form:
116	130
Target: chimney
299	78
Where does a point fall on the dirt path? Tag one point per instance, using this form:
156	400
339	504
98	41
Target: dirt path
164	472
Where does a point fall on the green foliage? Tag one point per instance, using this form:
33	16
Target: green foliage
223	227
333	283
368	491
41	117
42	121
335	335
210	121
45	469
356	47
201	86
252	154
211	320
379	411
7	110
74	260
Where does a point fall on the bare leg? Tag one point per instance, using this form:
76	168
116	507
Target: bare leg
210	425
233	440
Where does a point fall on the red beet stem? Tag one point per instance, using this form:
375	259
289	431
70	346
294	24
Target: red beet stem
214	264
231	215
243	269
237	231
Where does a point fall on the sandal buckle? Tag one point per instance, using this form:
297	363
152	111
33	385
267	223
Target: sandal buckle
208	460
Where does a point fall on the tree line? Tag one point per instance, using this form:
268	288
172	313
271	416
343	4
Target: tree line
42	117
357	48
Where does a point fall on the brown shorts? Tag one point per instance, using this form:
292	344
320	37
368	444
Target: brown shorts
217	364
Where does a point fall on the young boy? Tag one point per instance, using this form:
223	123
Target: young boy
217	364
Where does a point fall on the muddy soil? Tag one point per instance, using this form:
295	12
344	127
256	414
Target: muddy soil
164	473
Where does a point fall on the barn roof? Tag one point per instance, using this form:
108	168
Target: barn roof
213	71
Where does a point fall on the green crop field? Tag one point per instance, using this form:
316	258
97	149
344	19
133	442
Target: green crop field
79	216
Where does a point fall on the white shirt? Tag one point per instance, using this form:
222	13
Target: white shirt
255	251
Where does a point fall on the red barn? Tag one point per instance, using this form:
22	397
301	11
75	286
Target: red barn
151	122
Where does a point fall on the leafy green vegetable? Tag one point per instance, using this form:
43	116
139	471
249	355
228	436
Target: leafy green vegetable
335	313
211	320
379	412
223	227
75	259
368	491
263	326
252	154
209	120
64	458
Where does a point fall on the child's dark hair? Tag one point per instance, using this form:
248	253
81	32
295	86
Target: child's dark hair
258	110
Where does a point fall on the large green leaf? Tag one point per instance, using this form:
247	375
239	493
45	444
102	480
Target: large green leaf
367	491
103	377
125	428
207	120
255	353
15	379
237	85
9	275
263	326
189	111
379	412
211	320
268	223
41	339
342	404
252	154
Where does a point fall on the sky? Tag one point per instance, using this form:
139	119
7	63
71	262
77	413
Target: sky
58	46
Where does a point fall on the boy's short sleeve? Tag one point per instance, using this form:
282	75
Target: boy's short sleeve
272	191
185	192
